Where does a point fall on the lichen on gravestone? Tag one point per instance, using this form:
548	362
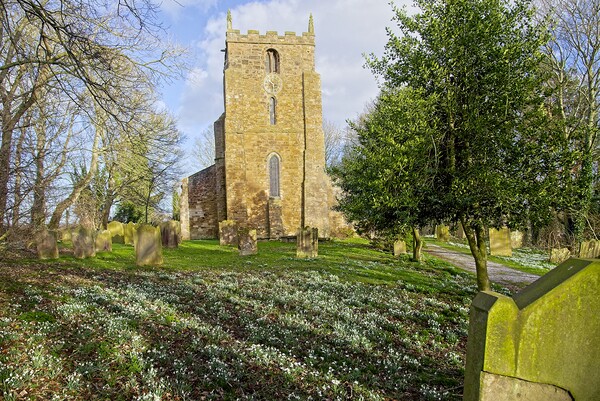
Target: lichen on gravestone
46	244
148	246
84	244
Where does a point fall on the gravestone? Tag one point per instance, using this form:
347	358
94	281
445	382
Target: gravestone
275	218
116	231
459	232
247	241
547	333
589	249
516	239
307	243
128	233
64	234
399	247
84	245
170	232
500	242
148	246
46	244
228	233
442	233
103	241
559	255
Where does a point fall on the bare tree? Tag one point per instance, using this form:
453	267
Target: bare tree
203	150
574	58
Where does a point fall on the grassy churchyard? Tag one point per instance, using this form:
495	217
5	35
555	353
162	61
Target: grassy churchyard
354	323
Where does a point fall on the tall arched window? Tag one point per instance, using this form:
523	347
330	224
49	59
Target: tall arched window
274	176
272	111
272	61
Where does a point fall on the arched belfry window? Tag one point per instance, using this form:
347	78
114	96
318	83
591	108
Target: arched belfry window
272	110
274	176
272	61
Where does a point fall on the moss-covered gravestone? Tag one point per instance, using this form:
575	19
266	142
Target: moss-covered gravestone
307	243
84	244
247	243
117	232
148	246
170	232
64	234
103	241
559	255
541	344
46	244
399	247
500	242
589	249
228	232
442	233
128	231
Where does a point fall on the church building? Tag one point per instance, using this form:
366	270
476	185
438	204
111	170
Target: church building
269	172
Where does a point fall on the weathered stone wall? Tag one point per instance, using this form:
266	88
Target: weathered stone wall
184	210
541	343
202	200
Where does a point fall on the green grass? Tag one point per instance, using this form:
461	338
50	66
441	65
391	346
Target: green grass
209	324
527	260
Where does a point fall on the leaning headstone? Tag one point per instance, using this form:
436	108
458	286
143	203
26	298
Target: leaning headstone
540	344
128	231
148	248
84	245
228	233
46	244
247	241
589	249
516	239
559	255
399	247
307	243
116	231
442	233
103	241
170	232
500	242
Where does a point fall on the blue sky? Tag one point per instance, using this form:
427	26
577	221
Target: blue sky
345	30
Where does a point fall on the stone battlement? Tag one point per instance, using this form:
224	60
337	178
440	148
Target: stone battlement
254	36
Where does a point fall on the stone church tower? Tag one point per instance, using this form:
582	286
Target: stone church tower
269	171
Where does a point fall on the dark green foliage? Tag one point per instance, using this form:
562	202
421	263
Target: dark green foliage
459	132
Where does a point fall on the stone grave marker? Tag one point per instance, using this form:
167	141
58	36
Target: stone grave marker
128	233
589	249
117	232
307	243
399	247
442	233
541	344
170	232
247	243
516	239
84	244
559	255
46	244
103	241
500	242
228	232
148	246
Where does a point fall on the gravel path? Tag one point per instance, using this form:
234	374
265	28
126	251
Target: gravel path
499	274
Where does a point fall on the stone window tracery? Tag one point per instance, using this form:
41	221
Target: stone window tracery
272	61
274	176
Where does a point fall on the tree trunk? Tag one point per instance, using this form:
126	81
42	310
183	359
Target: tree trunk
417	244
18	196
475	233
38	209
78	188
